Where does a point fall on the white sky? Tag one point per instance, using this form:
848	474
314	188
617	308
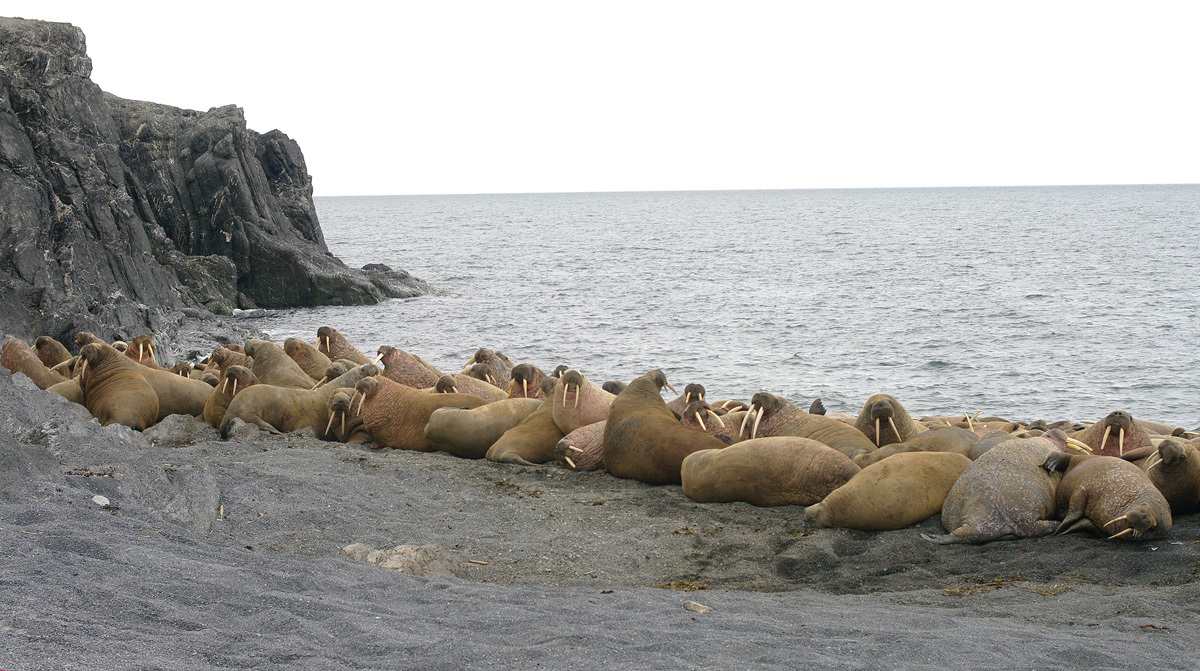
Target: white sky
487	97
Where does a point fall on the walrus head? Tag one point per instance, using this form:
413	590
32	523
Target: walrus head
522	376
481	371
237	378
328	341
365	389
571	379
50	351
250	347
481	355
559	370
210	378
86	338
695	413
878	409
339	407
613	387
548	384
183	369
659	379
693	392
762	405
446	384
141	350
1123	423
334	371
1138	522
297	349
93	355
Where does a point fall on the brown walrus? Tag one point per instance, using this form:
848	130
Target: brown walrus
286	409
272	366
884	421
778	471
86	338
141	350
69	390
470	433
237	378
1004	494
893	494
309	358
498	367
613	387
699	416
987	442
945	439
223	357
1174	468
407	369
532	441
50	351
526	381
1109	497
66	368
114	390
18	357
770	415
643	440
395	414
691	392
1113	435
577	402
335	346
182	369
336	369
177	395
463	384
345	425
582	449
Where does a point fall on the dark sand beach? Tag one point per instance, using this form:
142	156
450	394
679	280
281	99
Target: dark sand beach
228	554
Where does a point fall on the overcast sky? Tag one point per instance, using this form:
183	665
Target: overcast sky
445	97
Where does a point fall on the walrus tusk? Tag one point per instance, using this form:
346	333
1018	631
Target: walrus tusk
224	385
977	414
234	392
970	424
321	382
757	419
718	417
343	413
698	419
668	386
525	387
1154	461
725	404
454	389
1104	440
83	370
1115	520
571	463
377	358
745	419
330	424
576	449
700	397
141	350
490	380
877	439
1127	531
151	348
511	385
360	401
894	429
1121	442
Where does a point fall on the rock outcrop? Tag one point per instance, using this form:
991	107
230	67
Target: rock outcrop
122	217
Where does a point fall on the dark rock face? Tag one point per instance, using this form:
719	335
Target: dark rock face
117	214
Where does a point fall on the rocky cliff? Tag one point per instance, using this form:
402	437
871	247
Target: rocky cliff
118	216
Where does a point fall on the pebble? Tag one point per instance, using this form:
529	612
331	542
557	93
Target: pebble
101	501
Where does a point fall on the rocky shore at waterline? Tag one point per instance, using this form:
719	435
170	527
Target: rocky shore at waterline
257	551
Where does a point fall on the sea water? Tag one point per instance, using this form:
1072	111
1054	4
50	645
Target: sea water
1032	302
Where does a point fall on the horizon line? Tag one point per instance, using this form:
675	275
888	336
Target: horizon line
825	188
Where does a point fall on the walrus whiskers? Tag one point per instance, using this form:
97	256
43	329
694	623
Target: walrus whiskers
1115	520
701	421
1127	531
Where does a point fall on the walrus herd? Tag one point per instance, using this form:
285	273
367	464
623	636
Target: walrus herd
990	478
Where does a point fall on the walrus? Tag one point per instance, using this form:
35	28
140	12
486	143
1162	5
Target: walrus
691	392
86	338
699	416
223	357
18	357
643	440
114	390
532	441
463	384
237	379
613	387
335	346
182	369
577	402
490	357
336	369
309	358
895	493
1108	496
407	369
345	425
987	442
469	433
777	471
69	390
526	381
491	367
770	415
286	409
177	395
486	374
1174	468
945	439
884	421
274	367
1113	435
1004	494
395	414
728	405
582	449
50	351
141	350
66	368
